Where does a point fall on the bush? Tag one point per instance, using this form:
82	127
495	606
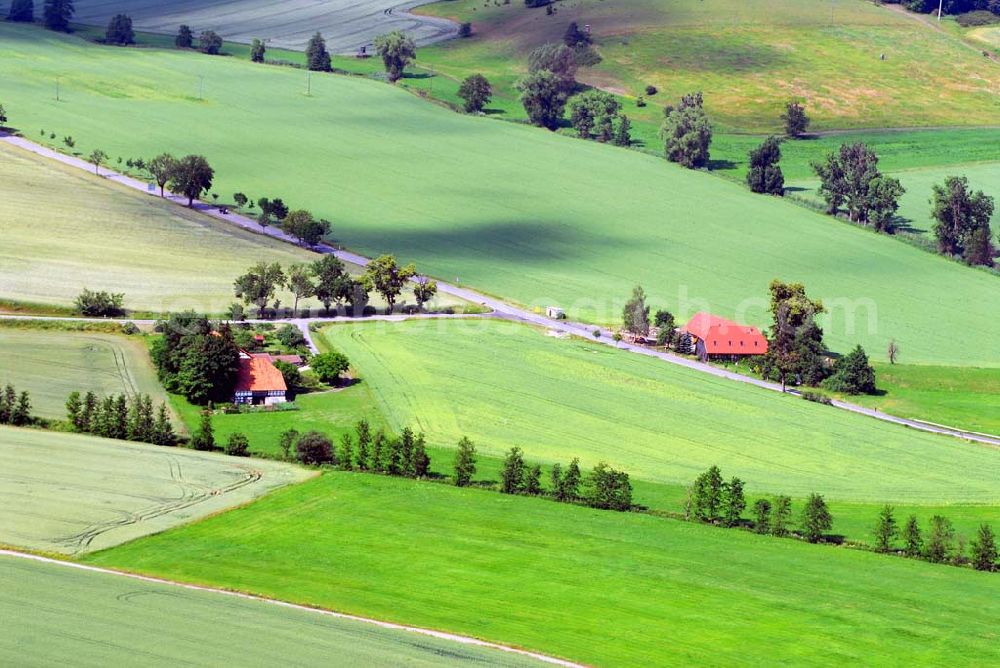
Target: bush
329	366
651	90
314	448
290	373
130	328
640	101
818	398
977	18
291	336
465	30
238	445
100	303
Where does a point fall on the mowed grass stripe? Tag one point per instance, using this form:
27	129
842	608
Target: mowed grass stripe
597	587
504	384
71	493
600	221
52	364
59	615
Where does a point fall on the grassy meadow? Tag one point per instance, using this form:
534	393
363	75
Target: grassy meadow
598	587
504	384
52	364
71	493
748	58
68	616
580	238
108	237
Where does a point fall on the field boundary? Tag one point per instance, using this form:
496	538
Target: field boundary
499	308
440	635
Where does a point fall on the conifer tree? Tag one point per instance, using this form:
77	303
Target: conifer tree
394	456
22	11
781	515
707	495
465	462
346	452
363	430
914	542
379	452
421	460
204	438
733	502
163	431
885	529
119	419
87	412
317	57
533	481
406	466
7	402
74	406
21	414
571	481
513	472
984	549
762	516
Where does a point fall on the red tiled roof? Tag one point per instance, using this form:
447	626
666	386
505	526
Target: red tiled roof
291	359
725	337
257	374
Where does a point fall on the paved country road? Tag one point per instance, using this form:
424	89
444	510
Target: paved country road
499	308
464	640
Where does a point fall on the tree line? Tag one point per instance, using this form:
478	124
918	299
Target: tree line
123	417
15	409
328	280
713	500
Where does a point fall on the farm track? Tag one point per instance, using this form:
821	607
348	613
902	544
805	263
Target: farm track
464	640
499	308
191	494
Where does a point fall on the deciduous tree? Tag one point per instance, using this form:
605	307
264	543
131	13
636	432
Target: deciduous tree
686	132
593	114
210	43
58	14
543	98
959	213
762	516
257	51
424	290
558	59
184	38
119	31
765	175
852	374
795	118
204	437
513	472
850	180
314	448
940	539
191	176
22	11
635	314
329	366
237	445
476	92
816	518
781	516
608	489
397	51
162	168
388	278
332	282
733	502
259	284
97	158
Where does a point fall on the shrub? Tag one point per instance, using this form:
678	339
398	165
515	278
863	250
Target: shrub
238	445
977	18
818	398
314	448
130	328
291	336
651	90
100	303
290	373
465	30
608	489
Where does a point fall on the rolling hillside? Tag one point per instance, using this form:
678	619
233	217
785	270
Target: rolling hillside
536	218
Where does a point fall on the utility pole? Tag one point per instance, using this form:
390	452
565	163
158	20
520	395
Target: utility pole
309	81
201	86
57	89
940	7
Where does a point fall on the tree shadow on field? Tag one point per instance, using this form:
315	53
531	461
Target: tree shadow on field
508	241
714	165
418	75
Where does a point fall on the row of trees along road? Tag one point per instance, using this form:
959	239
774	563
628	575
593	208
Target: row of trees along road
328	280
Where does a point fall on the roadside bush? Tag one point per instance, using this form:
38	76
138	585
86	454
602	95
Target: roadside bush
465	30
977	18
238	445
314	448
291	336
818	398
100	304
130	328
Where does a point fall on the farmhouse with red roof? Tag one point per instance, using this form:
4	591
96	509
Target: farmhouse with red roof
259	381
718	338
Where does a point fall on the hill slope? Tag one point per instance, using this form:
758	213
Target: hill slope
515	211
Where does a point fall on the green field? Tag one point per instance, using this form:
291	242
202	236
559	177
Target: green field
71	493
107	237
504	384
961	397
597	587
749	58
57	615
51	364
580	238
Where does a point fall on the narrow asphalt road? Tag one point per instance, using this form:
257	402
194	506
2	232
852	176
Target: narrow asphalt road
499	308
441	635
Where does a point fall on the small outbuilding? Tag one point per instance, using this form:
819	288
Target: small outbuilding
555	312
718	338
